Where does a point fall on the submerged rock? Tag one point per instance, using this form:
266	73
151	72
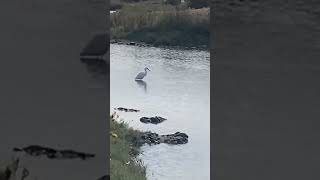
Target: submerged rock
176	138
126	109
152	120
36	150
154	138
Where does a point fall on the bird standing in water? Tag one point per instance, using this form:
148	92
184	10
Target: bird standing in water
141	75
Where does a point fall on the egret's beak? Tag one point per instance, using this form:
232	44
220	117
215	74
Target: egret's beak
149	69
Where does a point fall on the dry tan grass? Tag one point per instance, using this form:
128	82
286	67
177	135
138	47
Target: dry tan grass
127	21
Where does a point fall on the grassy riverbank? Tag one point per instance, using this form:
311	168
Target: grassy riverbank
124	164
158	24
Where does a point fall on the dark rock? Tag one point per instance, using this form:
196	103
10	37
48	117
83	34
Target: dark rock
126	109
36	150
176	138
154	138
152	120
150	138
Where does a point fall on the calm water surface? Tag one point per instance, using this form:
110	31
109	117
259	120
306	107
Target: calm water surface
178	89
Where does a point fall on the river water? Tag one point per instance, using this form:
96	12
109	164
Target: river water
177	88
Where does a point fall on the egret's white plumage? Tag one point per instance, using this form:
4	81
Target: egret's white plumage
141	75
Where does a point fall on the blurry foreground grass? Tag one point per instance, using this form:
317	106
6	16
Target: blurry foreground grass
8	170
124	164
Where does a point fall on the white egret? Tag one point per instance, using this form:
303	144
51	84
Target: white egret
141	75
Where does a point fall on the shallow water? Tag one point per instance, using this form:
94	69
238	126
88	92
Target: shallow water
177	88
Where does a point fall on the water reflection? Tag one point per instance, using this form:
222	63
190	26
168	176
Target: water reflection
142	84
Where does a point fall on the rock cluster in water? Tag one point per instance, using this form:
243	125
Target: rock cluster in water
154	138
126	109
152	120
36	150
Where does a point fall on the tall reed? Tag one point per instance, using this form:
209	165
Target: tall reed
125	21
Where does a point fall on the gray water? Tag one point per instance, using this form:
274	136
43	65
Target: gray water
47	96
178	89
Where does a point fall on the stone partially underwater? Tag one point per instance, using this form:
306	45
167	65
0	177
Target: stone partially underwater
126	109
36	150
152	120
154	138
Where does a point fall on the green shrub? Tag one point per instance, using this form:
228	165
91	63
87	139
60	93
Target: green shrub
124	164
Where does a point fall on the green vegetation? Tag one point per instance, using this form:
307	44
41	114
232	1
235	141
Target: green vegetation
124	164
161	24
9	169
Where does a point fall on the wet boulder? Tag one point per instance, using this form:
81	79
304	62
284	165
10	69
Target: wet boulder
176	138
154	138
151	138
152	120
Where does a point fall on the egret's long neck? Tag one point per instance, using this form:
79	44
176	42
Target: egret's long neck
145	70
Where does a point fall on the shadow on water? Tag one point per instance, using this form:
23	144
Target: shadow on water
142	84
97	67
